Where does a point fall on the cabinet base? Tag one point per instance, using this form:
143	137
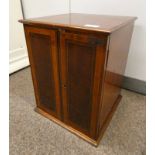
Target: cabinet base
78	133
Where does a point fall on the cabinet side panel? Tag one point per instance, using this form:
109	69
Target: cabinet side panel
116	63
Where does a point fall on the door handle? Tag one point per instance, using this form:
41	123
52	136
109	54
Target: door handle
64	86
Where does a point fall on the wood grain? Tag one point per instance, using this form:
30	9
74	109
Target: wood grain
106	23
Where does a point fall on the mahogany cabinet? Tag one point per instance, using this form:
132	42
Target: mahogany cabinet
77	64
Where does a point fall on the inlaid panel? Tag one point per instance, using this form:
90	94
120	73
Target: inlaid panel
41	51
79	85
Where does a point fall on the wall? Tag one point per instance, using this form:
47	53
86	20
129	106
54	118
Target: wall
38	8
18	57
17	47
136	59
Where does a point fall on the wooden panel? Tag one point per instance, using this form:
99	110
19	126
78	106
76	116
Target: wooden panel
79	85
43	59
103	23
116	63
82	62
43	69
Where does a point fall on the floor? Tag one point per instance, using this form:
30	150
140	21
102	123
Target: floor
32	134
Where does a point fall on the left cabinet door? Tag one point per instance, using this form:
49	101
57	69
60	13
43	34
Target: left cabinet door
43	56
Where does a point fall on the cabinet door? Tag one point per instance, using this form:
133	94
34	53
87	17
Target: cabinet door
82	64
42	49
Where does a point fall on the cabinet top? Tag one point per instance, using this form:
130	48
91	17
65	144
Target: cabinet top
102	23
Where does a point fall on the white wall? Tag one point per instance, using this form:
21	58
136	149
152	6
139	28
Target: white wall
18	57
38	8
136	59
17	47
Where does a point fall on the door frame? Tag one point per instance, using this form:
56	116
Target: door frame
97	77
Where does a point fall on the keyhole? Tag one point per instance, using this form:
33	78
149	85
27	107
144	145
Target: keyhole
64	86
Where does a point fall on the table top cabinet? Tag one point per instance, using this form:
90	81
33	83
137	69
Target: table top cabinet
77	64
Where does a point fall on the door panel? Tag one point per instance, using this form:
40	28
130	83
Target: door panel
79	84
81	77
43	58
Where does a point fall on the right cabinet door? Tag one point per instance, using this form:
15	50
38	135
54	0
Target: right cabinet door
82	65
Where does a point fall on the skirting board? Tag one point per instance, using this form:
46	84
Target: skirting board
135	85
18	60
19	64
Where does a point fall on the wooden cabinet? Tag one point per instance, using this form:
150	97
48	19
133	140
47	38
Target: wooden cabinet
77	68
